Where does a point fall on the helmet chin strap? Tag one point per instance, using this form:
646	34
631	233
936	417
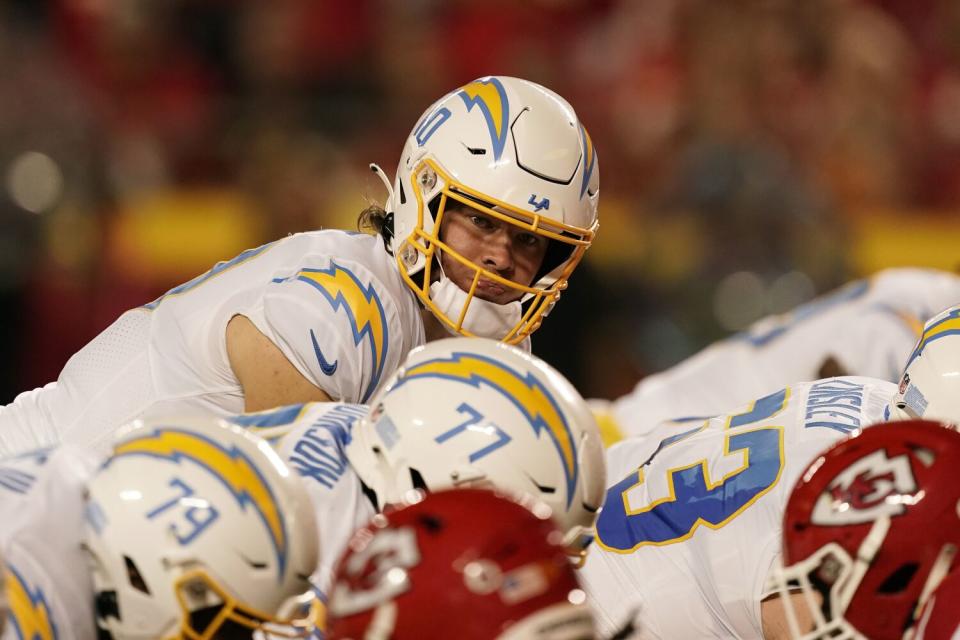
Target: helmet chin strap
483	318
386	183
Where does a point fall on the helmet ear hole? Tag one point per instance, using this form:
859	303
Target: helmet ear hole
133	576
900	579
416	479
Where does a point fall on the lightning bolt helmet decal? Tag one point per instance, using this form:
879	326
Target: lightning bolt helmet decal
491	98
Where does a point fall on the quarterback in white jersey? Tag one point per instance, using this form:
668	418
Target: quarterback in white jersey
690	530
866	328
493	205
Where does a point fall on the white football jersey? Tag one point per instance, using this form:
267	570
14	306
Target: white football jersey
332	301
692	526
868	327
47	588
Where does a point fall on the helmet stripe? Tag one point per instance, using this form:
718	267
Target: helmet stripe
946	325
589	159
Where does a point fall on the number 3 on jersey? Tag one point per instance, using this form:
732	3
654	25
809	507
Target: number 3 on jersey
694	497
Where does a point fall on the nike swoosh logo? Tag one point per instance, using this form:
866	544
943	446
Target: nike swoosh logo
327	368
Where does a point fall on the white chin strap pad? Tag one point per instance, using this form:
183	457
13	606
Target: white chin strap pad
484	318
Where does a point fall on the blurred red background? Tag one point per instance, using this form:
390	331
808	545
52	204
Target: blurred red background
752	154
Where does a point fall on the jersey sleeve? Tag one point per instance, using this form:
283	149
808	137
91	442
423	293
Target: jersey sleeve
337	324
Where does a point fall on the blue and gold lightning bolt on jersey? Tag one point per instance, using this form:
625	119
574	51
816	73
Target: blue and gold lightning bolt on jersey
691	523
331	301
866	328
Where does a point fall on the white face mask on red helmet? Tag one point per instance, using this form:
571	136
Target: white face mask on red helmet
515	151
853	564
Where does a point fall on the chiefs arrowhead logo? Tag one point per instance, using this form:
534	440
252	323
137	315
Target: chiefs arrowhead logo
874	486
866	491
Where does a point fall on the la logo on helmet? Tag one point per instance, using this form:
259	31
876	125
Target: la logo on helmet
873	487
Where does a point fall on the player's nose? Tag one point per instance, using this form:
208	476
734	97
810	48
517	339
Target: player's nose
498	252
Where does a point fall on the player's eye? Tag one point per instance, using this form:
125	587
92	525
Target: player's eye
482	222
528	239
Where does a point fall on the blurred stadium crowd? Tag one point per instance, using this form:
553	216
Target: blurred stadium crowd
754	153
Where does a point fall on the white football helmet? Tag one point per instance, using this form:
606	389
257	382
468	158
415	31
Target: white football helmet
930	384
515	151
475	412
196	529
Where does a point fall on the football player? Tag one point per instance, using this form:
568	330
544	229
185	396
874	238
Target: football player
189	529
493	204
869	532
866	328
690	529
458	412
464	563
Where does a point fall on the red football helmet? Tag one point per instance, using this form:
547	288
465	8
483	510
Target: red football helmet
940	618
870	530
464	563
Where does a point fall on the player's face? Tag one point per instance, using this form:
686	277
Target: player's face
507	250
